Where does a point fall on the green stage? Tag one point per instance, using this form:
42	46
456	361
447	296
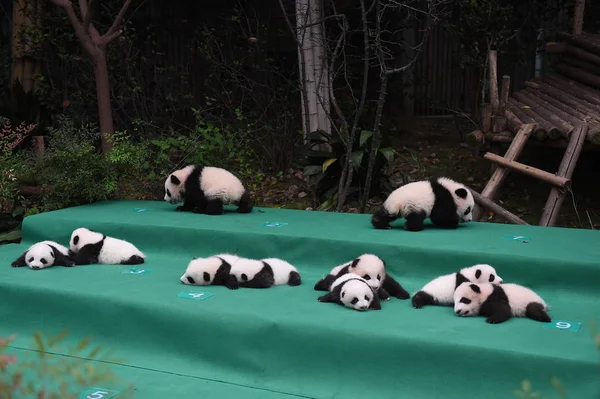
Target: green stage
281	342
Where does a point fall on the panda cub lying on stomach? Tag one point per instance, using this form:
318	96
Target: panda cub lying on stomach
90	247
354	292
44	254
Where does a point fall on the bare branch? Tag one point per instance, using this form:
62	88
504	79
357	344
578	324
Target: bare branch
117	23
108	39
81	34
87	19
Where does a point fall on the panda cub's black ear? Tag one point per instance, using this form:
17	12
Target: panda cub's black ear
355	262
461	192
476	288
175	180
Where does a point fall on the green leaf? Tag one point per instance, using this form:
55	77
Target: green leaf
388	153
364	136
327	163
357	157
312	170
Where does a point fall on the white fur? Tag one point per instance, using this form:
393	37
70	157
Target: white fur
518	298
197	267
113	250
281	270
214	182
442	288
42	250
249	267
356	289
369	267
418	196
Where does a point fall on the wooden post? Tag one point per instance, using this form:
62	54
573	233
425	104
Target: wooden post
487	118
493	66
497	209
513	152
578	17
504	93
566	168
529	170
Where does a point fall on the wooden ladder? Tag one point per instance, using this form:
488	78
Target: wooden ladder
561	181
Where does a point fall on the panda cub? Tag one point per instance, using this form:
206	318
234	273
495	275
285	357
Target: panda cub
446	202
91	247
440	290
205	189
354	292
371	268
265	273
499	303
209	271
44	254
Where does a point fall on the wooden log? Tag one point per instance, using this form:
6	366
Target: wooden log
531	84
512	121
578	17
475	137
539	132
562	85
566	168
493	68
498	123
569	99
549	128
478	137
529	170
497	209
487	118
564	127
579	74
580	41
573	116
504	93
555	47
514	150
583	65
582	54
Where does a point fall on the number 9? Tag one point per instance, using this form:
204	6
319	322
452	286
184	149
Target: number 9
562	324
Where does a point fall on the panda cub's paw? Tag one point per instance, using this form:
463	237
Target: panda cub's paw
495	319
180	208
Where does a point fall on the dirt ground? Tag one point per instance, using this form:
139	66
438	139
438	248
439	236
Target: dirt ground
435	147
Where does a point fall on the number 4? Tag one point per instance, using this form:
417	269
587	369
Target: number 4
97	395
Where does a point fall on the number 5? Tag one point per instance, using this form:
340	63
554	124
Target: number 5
97	395
562	324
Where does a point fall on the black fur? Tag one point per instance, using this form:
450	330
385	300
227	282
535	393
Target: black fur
535	311
443	212
325	283
496	307
133	260
414	221
383	294
394	288
334	296
381	219
294	279
263	279
20	261
222	273
421	299
60	259
462	279
88	254
194	199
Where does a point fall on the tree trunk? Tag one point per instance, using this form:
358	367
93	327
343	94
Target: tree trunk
103	94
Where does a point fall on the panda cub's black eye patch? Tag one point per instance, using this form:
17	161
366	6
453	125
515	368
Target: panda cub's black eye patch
468	210
354	301
44	261
168	193
191	280
492	277
206	277
378	277
464	300
75	240
367	277
367	298
244	277
30	259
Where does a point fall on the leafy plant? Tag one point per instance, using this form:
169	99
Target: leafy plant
55	377
323	168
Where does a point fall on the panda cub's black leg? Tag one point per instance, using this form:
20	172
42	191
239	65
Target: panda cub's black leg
214	207
325	283
187	206
383	294
381	219
414	221
20	261
133	260
535	311
62	260
294	279
394	288
245	204
231	282
421	299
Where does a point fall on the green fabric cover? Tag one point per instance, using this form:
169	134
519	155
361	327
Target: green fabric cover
280	341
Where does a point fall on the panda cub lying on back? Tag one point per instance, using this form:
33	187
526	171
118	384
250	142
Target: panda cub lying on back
372	269
446	202
205	189
352	291
499	302
90	247
44	254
